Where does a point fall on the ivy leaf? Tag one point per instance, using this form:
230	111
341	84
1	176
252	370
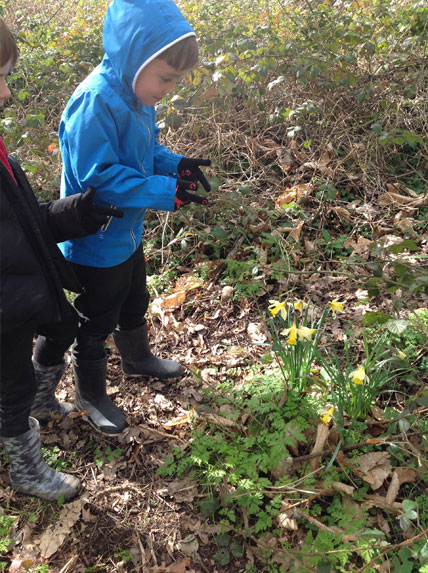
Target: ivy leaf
222	557
236	549
223	540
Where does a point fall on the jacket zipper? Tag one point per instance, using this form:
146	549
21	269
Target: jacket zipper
134	240
142	167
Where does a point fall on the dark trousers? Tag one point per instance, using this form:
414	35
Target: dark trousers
113	297
17	381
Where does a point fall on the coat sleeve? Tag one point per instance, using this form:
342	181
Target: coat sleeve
63	218
90	148
166	162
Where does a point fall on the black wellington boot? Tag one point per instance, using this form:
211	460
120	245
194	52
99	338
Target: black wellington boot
45	402
91	396
28	472
137	359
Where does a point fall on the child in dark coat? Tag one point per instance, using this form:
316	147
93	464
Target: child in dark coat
33	275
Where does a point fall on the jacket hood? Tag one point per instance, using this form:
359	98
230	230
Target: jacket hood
137	31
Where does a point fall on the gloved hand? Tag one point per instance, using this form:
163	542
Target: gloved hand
188	169
94	216
183	197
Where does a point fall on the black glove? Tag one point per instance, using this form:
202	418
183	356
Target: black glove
94	216
188	169
183	197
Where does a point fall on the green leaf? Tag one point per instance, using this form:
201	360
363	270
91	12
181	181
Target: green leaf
397	326
236	549
424	552
406	245
23	95
373	533
326	235
219	233
370	318
223	540
222	557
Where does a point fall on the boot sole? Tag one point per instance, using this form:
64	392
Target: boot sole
87	419
128	375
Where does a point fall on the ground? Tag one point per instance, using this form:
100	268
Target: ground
128	518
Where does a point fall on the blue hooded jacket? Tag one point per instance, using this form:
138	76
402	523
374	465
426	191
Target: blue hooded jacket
108	139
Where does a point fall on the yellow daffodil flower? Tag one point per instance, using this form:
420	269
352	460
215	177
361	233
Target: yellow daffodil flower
291	333
401	355
300	305
301	333
276	306
359	375
327	416
305	333
336	306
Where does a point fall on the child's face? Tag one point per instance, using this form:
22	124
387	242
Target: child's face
155	81
4	90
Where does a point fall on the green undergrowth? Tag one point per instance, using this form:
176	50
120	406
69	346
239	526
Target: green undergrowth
251	452
314	114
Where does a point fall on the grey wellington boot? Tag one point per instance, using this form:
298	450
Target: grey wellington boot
137	359
91	396
45	402
28	472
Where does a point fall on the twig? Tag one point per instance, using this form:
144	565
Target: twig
370	442
159	433
69	564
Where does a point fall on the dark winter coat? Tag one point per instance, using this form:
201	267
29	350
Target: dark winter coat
33	269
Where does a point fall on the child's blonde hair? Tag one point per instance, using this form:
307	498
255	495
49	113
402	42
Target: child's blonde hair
8	47
183	55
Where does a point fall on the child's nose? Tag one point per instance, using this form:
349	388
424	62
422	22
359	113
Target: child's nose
170	87
4	90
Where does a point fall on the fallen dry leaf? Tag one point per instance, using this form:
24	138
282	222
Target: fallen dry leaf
286	521
295	233
343	214
189	544
283	468
187	283
361	246
379	501
55	535
179	566
180	420
322	437
399	476
343	487
374	468
256	334
391	198
296	193
174	300
284	159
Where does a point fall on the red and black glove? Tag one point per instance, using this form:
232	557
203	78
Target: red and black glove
189	169
183	197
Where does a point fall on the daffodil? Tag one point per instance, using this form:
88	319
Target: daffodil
336	306
291	333
359	375
276	306
305	333
299	305
327	416
401	355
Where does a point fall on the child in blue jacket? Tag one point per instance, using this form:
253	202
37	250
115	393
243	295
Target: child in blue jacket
108	140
